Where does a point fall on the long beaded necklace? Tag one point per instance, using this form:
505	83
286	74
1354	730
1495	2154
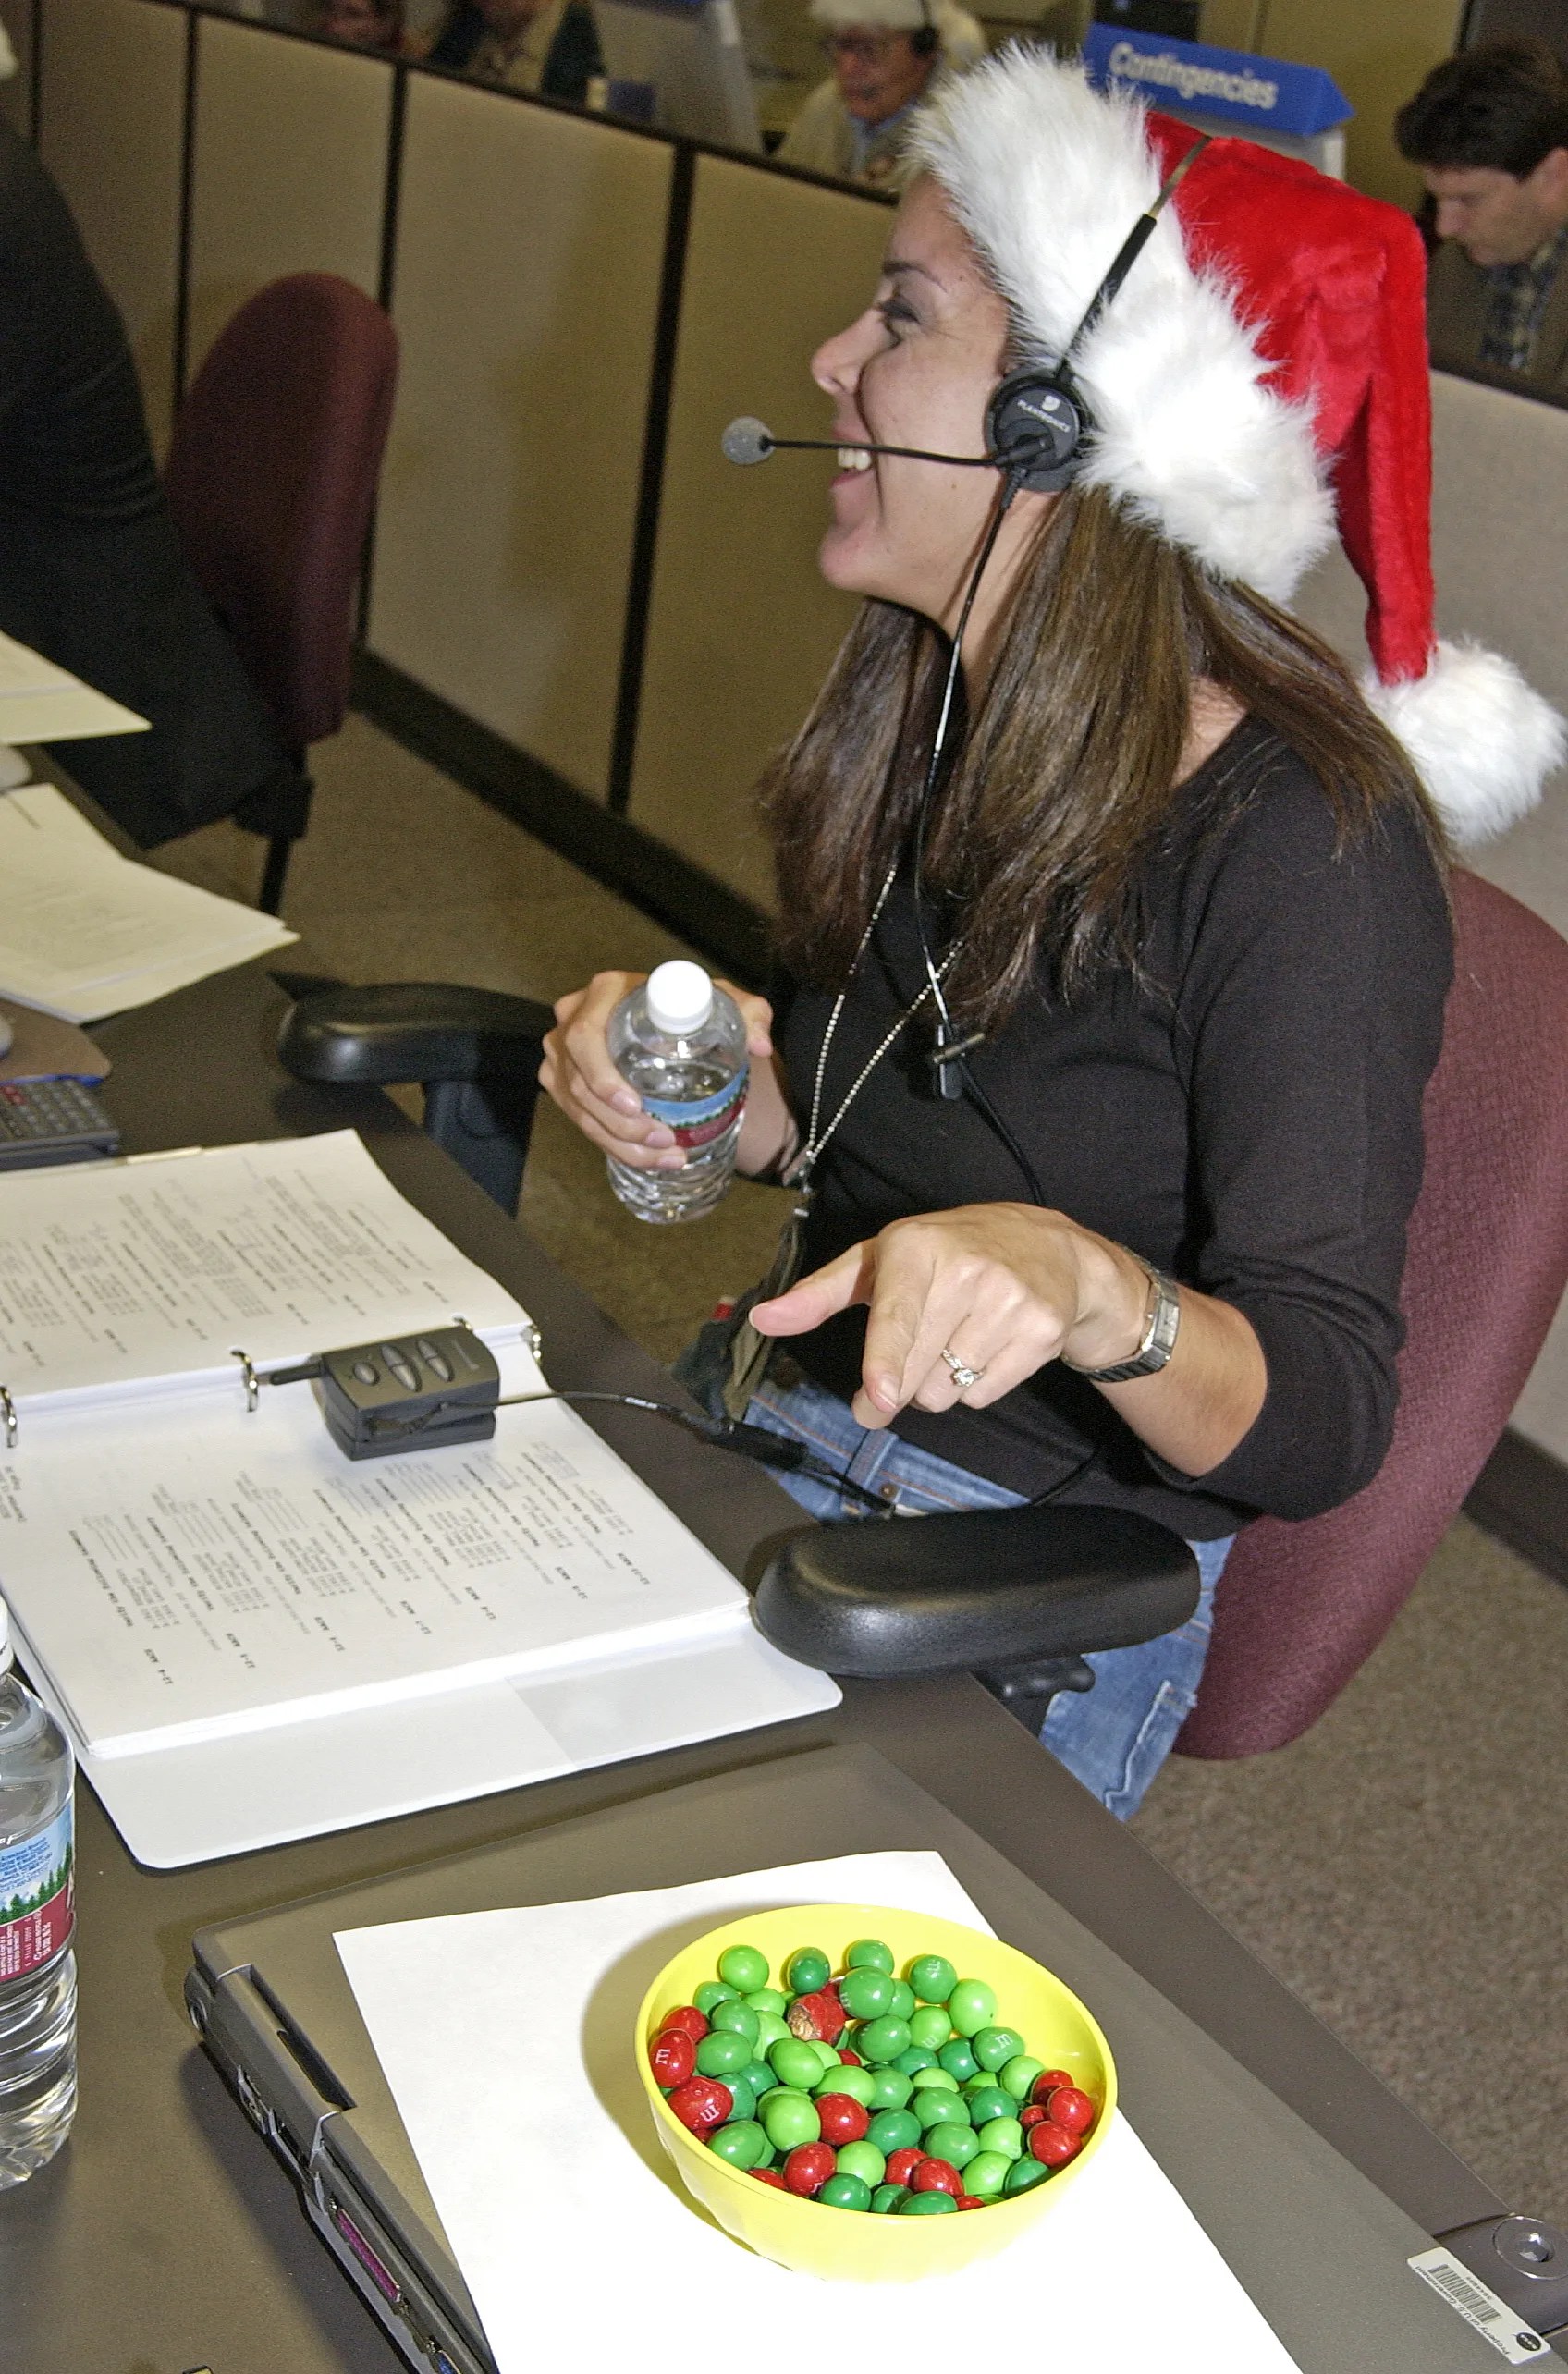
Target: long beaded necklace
749	1350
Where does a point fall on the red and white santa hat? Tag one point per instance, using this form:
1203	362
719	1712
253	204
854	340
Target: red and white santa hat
1260	380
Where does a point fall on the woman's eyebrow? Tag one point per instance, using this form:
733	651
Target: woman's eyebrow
893	266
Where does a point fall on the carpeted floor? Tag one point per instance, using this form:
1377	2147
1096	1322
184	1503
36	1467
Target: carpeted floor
1402	1867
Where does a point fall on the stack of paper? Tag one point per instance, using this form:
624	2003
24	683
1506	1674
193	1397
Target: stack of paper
85	932
41	703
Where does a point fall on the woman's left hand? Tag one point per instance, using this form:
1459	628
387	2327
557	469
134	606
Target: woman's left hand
1003	1287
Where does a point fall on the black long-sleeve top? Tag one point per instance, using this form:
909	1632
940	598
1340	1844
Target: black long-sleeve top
1244	1111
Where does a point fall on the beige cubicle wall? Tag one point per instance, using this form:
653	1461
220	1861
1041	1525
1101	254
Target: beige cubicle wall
112	89
525	289
288	167
741	626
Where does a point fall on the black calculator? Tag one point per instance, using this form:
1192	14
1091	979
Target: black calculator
52	1120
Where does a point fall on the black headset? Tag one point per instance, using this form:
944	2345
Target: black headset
1037	423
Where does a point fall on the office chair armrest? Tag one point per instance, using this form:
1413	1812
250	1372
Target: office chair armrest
400	1031
475	1053
973	1591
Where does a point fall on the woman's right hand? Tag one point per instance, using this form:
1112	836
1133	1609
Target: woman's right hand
578	1075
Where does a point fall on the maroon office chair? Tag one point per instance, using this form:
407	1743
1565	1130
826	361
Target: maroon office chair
271	477
1301	1606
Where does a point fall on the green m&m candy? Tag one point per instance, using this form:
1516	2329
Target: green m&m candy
988	2101
926	2205
985	2174
918	2057
886	2198
742	2095
712	1991
758	2076
890	2089
894	2131
929	2025
770	2027
881	2039
861	2160
866	1994
903	2005
736	2018
842	2192
767	1999
935	2108
826	2054
743	1968
721	2053
1024	2175
741	2142
789	2119
960	2059
1017	2076
937	2080
860	2084
971	2006
993	2045
1004	2135
949	2141
793	2063
933	1978
806	1971
869	1953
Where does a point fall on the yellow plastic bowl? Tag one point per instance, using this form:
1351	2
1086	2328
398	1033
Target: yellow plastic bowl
839	2243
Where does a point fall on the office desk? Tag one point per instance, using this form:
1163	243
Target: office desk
165	2236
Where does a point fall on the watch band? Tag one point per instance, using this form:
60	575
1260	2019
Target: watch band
1160	1334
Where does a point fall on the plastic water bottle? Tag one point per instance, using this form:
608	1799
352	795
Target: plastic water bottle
681	1044
37	1916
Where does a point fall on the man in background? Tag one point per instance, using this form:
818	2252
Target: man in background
884	54
1489	130
548	47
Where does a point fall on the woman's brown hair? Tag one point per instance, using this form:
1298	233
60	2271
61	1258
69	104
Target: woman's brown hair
1065	784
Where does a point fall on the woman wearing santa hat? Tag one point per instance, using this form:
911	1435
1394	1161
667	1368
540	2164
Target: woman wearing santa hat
885	55
1168	914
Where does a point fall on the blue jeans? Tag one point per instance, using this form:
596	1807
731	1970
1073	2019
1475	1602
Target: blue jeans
1113	1738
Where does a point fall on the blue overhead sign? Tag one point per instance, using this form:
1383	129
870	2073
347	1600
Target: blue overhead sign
1260	92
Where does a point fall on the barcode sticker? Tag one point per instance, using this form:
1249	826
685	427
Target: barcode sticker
1510	2336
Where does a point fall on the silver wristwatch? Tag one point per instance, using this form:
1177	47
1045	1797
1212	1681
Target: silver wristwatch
1160	1334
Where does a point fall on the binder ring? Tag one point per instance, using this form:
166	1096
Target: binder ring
8	1416
248	1377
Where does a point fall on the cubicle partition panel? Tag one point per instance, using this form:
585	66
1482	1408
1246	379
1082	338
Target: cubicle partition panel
288	164
741	626
526	272
111	113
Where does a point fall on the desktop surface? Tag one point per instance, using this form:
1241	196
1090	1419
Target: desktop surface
165	2236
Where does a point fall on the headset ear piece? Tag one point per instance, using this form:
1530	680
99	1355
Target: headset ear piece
923	41
1036	426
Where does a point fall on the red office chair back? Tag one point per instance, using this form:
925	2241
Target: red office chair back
271	477
1301	1606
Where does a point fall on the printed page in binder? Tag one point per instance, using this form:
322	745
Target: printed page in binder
184	1572
119	1275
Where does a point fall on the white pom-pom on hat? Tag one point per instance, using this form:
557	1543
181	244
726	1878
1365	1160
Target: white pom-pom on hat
1260	380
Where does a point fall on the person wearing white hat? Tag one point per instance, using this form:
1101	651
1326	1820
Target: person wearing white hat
885	54
1112	927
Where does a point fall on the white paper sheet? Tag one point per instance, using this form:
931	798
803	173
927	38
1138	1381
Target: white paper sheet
85	932
42	703
116	1274
567	2220
184	1571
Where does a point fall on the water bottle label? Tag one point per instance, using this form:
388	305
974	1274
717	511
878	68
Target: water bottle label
699	1124
37	1898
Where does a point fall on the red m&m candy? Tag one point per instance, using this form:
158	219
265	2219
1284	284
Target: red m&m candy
843	2119
774	2176
808	2168
672	2057
903	2162
935	2177
701	2103
689	2018
1071	2108
1052	2145
1046	2084
820	2016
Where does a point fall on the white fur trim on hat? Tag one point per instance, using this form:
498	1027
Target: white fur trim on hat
1049	178
1481	740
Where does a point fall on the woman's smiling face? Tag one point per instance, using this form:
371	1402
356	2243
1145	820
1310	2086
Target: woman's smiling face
916	369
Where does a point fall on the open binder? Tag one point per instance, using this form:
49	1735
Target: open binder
248	1636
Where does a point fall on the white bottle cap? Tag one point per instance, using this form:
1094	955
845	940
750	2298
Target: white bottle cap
679	997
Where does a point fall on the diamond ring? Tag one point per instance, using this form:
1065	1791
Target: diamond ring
963	1377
